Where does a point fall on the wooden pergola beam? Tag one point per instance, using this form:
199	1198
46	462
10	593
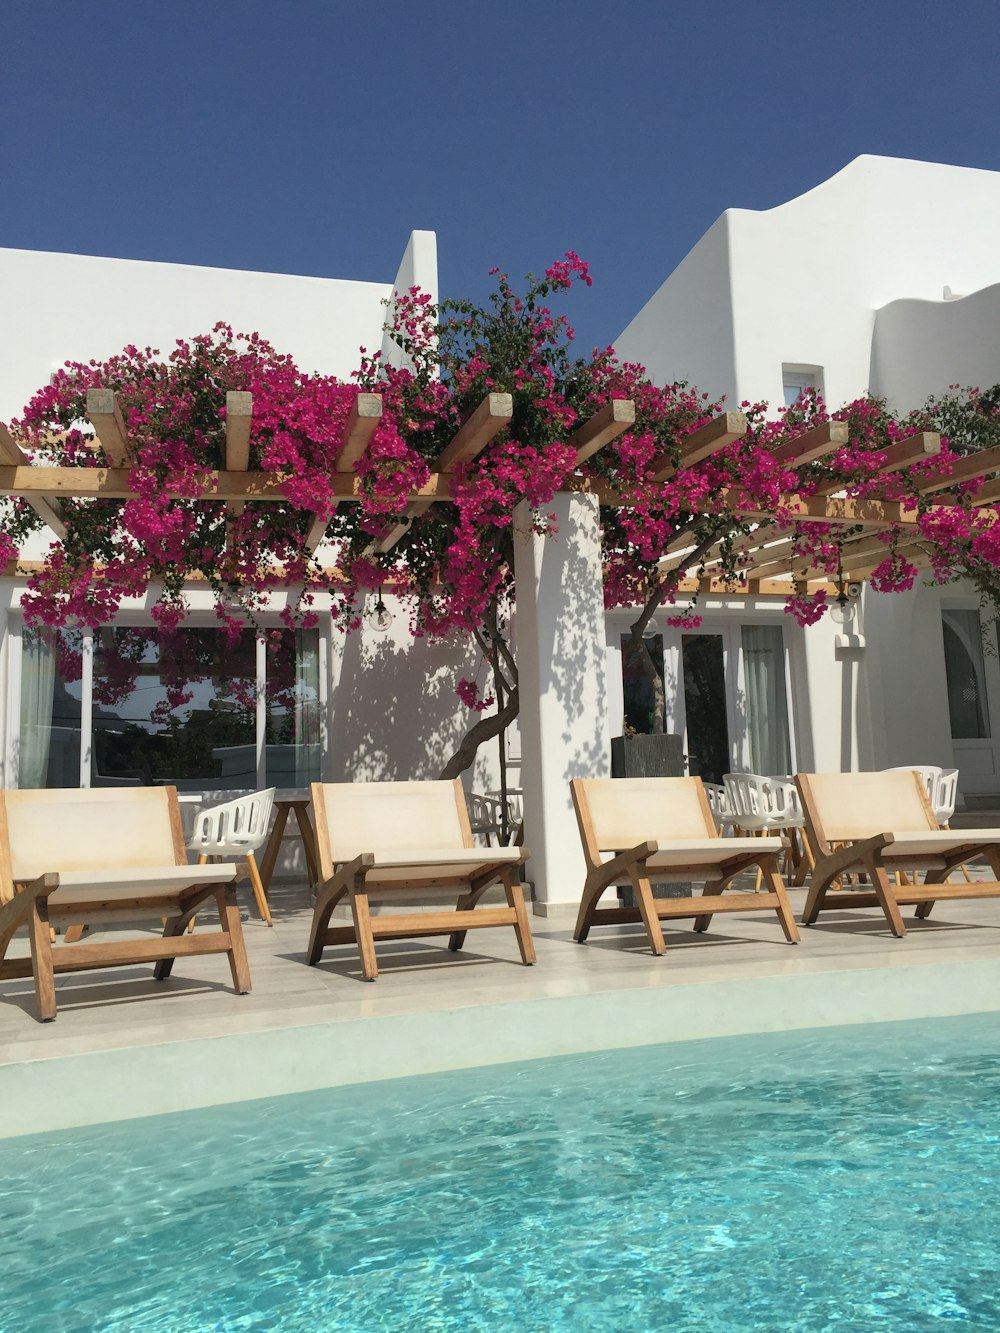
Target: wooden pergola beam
12	455
109	425
610	421
751	587
113	484
365	414
967	468
904	453
475	433
915	555
701	444
821	440
239	419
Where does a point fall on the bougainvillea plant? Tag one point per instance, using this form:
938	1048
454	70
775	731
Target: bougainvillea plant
453	563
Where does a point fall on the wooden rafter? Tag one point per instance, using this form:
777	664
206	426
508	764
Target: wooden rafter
472	437
239	419
366	413
109	425
475	433
612	420
821	440
11	454
968	468
903	454
987	494
701	444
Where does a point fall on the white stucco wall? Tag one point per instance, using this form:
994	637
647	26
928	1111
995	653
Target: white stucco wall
849	277
806	278
60	307
922	347
685	331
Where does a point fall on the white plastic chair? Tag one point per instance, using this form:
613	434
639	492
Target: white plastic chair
943	802
945	796
236	829
718	803
762	805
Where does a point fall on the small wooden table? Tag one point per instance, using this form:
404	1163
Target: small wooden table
284	803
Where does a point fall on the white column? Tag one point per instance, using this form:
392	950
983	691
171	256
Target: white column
563	686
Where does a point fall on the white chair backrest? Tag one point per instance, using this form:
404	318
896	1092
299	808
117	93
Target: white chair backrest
718	801
243	822
390	816
860	805
627	811
751	799
929	773
786	808
90	829
945	795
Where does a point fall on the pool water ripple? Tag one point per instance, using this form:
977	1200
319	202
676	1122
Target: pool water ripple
839	1180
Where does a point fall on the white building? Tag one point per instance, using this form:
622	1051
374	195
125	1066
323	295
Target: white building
885	278
881	279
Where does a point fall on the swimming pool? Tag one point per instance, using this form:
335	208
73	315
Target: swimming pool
847	1178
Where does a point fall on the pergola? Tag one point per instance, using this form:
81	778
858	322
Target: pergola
769	564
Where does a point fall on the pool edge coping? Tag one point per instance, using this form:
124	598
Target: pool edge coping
67	1092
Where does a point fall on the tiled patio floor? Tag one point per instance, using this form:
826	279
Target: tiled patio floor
431	1009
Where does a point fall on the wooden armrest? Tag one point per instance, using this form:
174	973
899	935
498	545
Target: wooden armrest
835	863
13	913
620	863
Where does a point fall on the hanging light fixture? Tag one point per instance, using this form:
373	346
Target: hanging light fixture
378	617
842	610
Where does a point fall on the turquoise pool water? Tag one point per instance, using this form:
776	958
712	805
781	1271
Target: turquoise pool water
846	1179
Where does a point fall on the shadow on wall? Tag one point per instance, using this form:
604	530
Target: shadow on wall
396	715
573	644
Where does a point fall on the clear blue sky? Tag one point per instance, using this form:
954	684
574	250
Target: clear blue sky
307	136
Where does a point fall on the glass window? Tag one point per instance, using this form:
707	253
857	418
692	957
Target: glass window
177	708
48	752
796	379
638	687
965	670
704	666
292	740
766	699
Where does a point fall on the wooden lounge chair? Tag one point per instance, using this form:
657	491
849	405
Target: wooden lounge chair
106	857
876	824
662	830
387	839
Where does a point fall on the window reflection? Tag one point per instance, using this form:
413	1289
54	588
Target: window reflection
177	708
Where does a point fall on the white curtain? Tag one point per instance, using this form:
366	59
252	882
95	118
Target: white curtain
766	699
306	707
38	680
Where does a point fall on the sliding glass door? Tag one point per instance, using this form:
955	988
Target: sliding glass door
195	708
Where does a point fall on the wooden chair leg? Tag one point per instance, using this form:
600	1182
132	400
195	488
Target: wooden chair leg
229	918
783	911
522	928
363	933
258	888
710	890
203	859
588	906
41	960
886	897
646	903
327	898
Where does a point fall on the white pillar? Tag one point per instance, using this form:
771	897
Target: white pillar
563	686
